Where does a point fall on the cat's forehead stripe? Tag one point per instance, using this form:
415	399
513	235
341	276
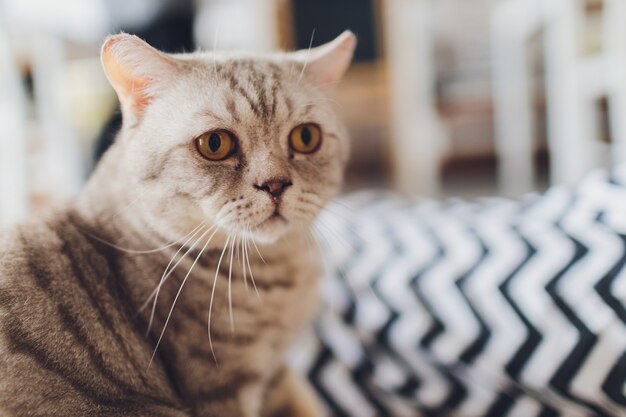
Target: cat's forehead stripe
258	83
231	107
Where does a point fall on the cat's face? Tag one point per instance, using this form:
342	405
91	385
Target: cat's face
251	143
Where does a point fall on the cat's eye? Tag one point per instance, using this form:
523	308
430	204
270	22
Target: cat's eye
216	145
305	138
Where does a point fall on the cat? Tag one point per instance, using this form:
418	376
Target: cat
203	207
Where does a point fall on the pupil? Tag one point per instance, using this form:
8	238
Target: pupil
214	142
306	136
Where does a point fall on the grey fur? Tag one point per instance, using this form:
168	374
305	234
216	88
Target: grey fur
73	338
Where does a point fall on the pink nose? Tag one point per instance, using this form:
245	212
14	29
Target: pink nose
274	186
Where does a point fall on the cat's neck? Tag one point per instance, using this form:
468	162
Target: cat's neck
106	202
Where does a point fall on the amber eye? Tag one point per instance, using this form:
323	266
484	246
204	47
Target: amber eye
216	145
305	138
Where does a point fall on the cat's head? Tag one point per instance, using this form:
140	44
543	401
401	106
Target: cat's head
252	142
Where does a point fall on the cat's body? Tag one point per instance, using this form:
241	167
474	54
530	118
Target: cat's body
75	294
69	323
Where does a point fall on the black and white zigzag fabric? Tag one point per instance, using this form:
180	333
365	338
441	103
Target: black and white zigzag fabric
494	308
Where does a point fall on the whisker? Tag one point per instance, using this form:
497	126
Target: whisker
329	207
342	215
230	293
243	261
237	250
119	211
169	315
257	249
293	63
339	238
312	244
331	211
342	204
318	234
316	237
250	268
217	32
217	271
174	257
340	269
167	272
141	252
306	59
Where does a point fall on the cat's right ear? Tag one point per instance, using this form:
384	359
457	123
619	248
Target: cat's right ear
136	71
326	64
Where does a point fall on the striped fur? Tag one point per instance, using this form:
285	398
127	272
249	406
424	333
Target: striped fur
75	338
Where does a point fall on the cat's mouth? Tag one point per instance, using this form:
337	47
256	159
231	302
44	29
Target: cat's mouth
271	228
275	218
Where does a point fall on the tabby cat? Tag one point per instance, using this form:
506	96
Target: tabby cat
175	282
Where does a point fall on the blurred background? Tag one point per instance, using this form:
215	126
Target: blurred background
446	97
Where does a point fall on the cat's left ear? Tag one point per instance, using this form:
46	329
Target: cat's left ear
326	64
136	71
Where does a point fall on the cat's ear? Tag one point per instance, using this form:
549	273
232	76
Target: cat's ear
135	70
326	64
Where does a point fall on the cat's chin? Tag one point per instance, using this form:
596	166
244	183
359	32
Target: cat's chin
271	230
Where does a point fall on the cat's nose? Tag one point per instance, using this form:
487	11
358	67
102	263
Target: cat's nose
274	186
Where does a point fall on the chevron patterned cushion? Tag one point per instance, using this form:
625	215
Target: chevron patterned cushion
493	308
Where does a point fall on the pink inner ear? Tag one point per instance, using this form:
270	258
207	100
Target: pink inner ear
325	80
332	60
131	88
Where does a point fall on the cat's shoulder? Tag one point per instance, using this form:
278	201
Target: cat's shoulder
30	242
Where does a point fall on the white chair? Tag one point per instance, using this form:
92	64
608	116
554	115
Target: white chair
418	137
65	170
574	84
36	32
615	43
13	171
513	23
